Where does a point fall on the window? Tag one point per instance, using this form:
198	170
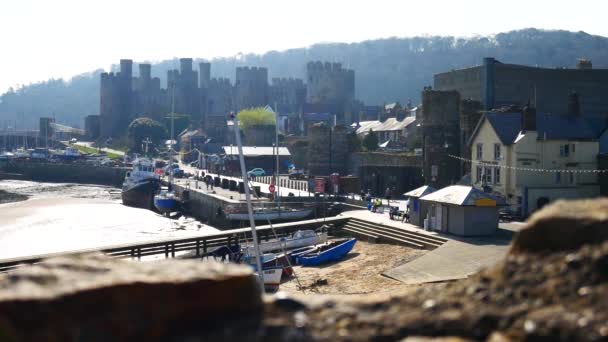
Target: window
478	175
571	177
497	175
558	177
564	150
496	151
487	174
479	151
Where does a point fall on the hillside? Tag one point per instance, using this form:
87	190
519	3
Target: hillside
386	69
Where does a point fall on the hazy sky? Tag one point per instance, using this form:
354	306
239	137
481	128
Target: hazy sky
61	38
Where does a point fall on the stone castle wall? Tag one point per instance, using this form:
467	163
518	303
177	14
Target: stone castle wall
124	97
441	137
329	83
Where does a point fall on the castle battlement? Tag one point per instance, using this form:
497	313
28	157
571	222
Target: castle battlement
318	66
287	82
252	74
220	82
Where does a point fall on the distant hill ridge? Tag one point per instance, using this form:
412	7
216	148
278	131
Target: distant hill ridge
386	70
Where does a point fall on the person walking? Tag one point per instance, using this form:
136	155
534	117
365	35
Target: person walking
387	194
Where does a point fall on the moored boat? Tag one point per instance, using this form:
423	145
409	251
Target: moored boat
272	214
166	202
300	238
331	251
140	185
272	278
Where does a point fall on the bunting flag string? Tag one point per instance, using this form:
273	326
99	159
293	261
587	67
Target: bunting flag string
526	169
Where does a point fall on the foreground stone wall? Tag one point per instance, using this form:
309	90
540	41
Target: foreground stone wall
552	286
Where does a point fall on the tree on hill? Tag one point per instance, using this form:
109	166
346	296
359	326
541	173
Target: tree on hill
370	142
141	129
387	70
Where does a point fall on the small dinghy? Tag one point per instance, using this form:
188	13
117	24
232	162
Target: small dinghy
331	251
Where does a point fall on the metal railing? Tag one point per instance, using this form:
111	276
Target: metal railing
199	246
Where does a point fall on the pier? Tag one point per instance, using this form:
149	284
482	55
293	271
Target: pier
210	205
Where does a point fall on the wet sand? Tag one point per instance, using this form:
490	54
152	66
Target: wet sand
67	217
10	197
359	273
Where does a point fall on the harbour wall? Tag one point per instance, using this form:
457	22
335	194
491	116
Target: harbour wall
205	207
63	172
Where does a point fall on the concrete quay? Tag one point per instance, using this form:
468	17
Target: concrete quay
457	258
210	204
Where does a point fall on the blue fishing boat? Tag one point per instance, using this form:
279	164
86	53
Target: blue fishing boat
166	202
331	251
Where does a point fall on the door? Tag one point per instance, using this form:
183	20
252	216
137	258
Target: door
438	217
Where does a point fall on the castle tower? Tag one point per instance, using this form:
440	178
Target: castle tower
219	97
440	136
288	93
251	87
183	83
148	99
116	100
204	73
329	83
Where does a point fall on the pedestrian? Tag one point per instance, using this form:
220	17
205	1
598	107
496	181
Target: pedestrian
387	194
377	204
368	196
362	195
406	215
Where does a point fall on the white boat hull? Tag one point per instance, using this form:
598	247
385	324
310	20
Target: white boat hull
287	244
272	278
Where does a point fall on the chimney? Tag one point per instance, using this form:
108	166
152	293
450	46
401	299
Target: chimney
528	118
574	107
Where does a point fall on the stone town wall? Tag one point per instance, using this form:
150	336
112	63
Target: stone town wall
441	137
68	173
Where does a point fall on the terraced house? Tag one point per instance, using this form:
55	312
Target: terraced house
532	159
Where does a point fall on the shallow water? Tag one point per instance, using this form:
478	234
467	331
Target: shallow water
61	217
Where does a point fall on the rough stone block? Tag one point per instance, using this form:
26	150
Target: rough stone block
564	225
94	297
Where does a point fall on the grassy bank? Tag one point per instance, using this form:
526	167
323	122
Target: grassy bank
8	197
93	150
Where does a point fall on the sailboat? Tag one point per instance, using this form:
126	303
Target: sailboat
167	201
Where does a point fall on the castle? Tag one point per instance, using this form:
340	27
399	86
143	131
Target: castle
330	89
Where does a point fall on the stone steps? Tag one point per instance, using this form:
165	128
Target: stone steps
380	232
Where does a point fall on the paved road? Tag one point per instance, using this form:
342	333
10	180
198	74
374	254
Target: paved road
456	259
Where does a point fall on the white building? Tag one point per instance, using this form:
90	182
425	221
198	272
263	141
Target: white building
532	159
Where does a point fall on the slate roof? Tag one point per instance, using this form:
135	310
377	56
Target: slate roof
254	151
553	127
506	125
419	192
460	195
391	124
569	127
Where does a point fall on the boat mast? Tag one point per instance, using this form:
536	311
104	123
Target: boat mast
276	126
254	233
172	128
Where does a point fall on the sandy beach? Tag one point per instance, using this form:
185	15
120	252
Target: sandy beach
67	217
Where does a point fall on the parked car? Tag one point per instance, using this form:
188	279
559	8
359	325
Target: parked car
297	174
257	172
